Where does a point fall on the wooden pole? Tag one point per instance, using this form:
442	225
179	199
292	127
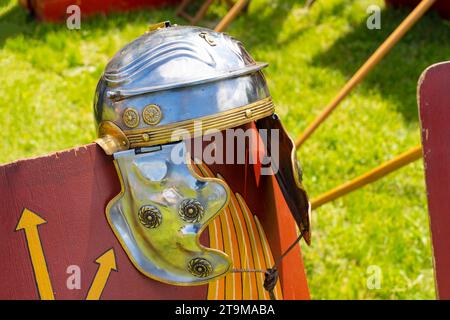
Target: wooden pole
369	177
231	15
379	54
202	11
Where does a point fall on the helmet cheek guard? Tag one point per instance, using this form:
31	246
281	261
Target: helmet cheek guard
170	85
161	210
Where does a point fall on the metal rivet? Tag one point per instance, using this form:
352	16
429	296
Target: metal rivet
200	267
145	137
248	113
191	210
150	216
152	114
130	118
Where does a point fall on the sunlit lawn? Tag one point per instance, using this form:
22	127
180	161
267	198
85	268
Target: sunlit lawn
48	76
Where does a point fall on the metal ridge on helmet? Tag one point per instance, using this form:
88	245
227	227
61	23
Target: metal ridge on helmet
172	77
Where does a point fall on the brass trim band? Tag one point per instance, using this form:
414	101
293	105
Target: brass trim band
221	121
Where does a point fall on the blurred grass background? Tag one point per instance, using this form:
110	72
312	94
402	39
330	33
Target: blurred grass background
48	76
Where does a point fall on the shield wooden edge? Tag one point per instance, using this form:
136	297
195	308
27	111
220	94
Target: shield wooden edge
434	109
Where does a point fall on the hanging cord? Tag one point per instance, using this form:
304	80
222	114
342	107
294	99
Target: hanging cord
271	274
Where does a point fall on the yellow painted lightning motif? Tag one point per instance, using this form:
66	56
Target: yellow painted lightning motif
29	222
107	262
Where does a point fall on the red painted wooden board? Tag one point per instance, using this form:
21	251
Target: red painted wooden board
434	105
441	6
55	10
70	190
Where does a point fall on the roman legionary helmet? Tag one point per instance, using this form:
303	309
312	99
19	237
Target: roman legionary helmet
163	83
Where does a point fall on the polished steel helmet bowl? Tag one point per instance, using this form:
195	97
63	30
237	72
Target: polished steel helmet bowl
171	77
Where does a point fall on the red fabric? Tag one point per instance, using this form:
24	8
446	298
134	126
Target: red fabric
265	199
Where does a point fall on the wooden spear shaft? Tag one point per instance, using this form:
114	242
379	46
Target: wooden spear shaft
369	177
379	54
231	15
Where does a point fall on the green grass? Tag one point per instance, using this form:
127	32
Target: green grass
48	76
